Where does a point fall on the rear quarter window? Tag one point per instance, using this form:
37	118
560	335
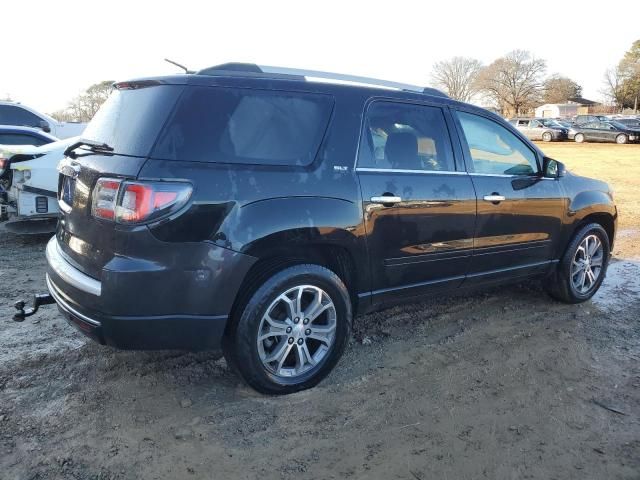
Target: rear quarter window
245	126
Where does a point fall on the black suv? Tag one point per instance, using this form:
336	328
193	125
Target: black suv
257	210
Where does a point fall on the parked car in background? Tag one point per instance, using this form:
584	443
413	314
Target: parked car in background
613	131
12	135
17	114
28	186
564	123
232	196
629	122
580	119
544	129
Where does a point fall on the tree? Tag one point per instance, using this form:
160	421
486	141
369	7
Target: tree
558	89
614	87
457	77
629	68
84	106
513	82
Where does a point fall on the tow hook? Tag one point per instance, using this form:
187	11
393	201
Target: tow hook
39	299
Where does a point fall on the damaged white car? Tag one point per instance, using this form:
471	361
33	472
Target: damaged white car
28	186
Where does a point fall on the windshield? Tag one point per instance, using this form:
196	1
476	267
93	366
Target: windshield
550	123
618	125
130	120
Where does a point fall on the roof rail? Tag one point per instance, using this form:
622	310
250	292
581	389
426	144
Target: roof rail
316	76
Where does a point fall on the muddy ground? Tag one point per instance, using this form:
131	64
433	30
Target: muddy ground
507	384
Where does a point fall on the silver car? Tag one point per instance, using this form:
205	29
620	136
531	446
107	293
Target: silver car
544	129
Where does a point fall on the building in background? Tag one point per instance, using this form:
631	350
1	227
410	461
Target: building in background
574	106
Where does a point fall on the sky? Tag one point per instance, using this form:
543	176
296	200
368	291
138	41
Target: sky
52	50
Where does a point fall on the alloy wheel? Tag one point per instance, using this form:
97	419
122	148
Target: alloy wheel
587	263
297	331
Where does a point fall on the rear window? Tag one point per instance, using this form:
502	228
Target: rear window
223	125
130	120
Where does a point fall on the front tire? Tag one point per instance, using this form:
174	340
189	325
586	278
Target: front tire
621	139
292	331
579	138
583	266
547	137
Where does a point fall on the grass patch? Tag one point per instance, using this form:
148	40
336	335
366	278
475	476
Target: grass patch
618	165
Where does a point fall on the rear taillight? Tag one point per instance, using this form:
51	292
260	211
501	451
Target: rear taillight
3	163
136	202
105	196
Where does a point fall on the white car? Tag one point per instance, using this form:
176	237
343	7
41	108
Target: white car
28	186
12	113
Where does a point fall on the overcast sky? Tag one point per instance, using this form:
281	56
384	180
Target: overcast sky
52	50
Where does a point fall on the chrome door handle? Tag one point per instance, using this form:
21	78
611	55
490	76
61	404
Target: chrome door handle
386	199
494	198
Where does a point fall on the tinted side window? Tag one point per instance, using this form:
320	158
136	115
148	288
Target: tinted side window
213	124
14	115
494	149
20	139
403	136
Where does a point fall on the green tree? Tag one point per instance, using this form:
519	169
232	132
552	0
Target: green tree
629	68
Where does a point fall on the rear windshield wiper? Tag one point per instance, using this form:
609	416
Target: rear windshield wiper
96	147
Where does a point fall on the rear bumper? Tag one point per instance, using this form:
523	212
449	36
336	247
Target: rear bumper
108	311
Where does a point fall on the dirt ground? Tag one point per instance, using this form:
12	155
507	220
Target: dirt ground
506	384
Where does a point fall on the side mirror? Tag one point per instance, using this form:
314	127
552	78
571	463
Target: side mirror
552	168
44	126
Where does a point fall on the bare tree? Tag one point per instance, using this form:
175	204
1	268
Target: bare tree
457	77
615	88
513	82
558	89
84	106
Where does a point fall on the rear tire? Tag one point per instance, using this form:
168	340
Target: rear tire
621	139
579	138
547	137
277	354
583	266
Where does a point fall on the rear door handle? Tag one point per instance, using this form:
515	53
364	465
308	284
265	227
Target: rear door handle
494	198
386	199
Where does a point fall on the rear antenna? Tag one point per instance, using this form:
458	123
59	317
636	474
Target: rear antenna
186	70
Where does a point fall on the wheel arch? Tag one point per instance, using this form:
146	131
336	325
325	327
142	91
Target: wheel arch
285	231
594	206
336	258
604	219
